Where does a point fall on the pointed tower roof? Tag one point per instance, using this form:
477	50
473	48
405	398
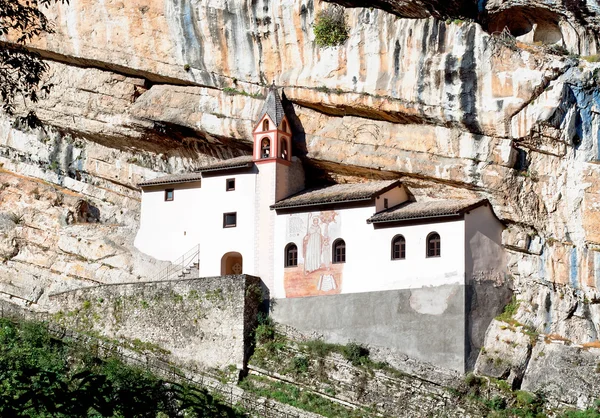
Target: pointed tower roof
273	106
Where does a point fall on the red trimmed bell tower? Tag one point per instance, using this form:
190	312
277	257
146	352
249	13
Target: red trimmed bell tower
278	177
272	134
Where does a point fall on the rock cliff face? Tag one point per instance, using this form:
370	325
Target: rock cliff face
450	106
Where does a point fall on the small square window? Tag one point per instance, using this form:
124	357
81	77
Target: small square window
229	219
230	185
169	195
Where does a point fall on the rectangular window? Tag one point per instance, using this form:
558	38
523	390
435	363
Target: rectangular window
385	203
230	185
229	219
169	195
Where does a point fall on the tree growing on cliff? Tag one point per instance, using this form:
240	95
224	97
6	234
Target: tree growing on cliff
21	70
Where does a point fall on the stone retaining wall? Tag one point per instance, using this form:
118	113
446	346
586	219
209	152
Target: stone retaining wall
207	322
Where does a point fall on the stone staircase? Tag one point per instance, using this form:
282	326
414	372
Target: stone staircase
190	272
185	267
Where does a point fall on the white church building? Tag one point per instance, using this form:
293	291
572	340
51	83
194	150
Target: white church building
357	244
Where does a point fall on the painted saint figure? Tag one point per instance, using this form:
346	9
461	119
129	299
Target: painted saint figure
312	246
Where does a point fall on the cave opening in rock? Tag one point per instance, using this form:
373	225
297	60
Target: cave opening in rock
528	24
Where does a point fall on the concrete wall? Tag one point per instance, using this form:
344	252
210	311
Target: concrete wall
427	324
485	271
206	321
368	266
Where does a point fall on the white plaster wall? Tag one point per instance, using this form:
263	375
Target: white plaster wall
167	229
368	264
216	241
485	258
198	211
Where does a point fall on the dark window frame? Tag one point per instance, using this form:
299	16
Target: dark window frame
338	257
167	191
225	224
228	187
433	247
291	255
385	203
400	254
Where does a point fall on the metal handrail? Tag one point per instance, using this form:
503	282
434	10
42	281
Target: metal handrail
176	267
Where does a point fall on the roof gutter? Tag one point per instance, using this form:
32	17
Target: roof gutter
161	183
304	205
231	167
448	215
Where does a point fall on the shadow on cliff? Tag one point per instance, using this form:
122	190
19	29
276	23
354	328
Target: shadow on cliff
315	175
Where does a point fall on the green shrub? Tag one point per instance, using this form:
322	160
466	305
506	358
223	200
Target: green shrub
265	330
44	376
472	381
509	311
319	348
356	354
497	403
330	27
299	364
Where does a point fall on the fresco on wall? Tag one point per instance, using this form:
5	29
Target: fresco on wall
313	233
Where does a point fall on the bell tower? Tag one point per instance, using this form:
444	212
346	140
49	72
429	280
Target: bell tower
279	176
272	134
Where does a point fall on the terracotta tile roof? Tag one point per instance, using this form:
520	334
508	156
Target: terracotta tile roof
229	164
338	193
426	209
273	107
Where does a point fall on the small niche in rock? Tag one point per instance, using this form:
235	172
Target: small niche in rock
521	163
85	212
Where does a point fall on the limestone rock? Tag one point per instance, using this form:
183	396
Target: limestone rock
567	373
506	353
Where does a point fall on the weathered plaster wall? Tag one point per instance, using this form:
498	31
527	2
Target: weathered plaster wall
205	322
427	324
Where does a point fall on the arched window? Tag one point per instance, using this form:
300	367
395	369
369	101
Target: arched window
283	148
265	148
433	245
339	251
265	125
284	126
398	248
291	255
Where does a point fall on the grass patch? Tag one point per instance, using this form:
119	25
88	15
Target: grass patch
294	396
233	91
509	311
592	58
